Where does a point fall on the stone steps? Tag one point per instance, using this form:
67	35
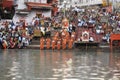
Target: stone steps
35	42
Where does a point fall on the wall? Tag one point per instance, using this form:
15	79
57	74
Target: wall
82	2
30	16
20	4
47	13
43	1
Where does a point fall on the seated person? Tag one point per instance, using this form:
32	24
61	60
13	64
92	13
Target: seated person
104	38
91	39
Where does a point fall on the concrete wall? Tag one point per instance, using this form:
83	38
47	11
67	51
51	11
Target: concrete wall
43	1
39	1
47	13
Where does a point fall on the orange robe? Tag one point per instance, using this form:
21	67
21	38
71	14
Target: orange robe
58	44
4	45
48	43
64	43
42	43
70	44
67	37
53	44
63	34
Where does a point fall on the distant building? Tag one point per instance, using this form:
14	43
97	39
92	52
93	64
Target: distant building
28	9
89	2
74	3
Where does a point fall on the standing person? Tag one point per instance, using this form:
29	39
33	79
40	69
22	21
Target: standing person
70	29
43	31
37	22
42	41
63	33
4	44
80	23
59	44
24	41
73	28
64	43
67	36
70	43
33	21
54	43
48	43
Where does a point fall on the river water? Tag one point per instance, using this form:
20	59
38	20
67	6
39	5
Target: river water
78	64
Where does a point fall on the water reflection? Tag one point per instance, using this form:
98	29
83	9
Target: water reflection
91	64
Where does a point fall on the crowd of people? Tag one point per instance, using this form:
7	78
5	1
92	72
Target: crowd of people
14	35
99	22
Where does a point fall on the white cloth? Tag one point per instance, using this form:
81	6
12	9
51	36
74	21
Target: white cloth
91	39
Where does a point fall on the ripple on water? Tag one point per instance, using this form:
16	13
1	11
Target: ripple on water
71	79
96	78
44	79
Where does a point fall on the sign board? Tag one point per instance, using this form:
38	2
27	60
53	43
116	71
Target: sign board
85	36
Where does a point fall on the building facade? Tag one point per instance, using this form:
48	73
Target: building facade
28	9
88	2
74	3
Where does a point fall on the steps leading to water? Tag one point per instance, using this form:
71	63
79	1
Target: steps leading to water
35	44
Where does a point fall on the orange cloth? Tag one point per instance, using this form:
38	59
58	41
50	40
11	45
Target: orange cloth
70	44
53	44
64	43
58	44
42	43
4	45
48	43
63	34
67	37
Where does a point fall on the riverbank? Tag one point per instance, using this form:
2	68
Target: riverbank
101	45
